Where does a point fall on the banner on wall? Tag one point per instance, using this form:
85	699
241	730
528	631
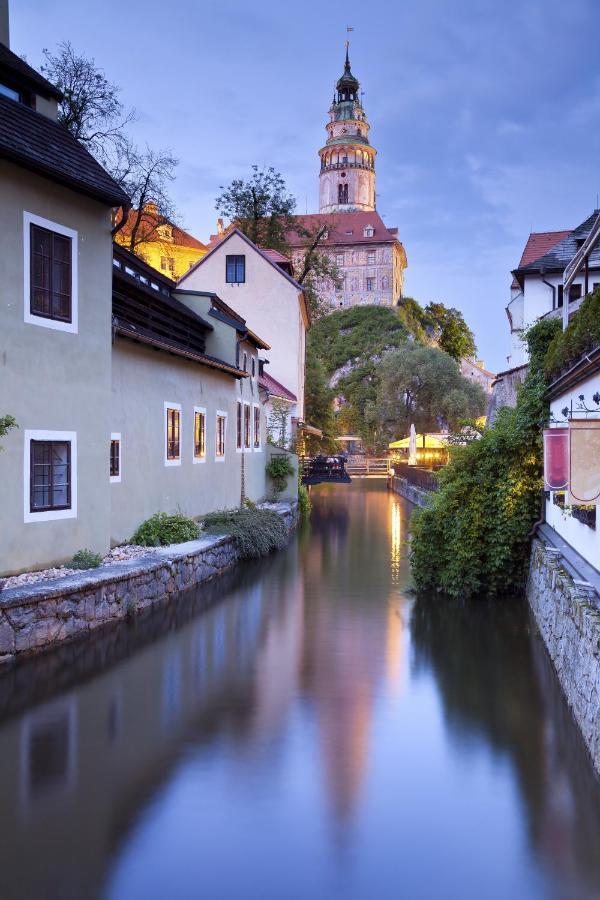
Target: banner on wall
556	459
584	461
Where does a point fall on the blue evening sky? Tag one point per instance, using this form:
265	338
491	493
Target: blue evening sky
485	115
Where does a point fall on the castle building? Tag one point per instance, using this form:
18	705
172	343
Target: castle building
368	255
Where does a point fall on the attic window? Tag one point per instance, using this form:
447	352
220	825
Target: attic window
369	231
7	91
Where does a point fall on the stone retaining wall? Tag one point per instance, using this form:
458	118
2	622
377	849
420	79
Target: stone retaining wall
569	621
409	491
39	616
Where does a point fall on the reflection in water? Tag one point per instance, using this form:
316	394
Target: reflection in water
232	749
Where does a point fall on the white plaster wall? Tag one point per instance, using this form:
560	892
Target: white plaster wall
583	539
54	380
269	303
143	381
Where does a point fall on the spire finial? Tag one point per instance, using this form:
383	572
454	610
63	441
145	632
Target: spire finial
347	63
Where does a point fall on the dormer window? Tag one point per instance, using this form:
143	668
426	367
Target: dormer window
7	91
369	231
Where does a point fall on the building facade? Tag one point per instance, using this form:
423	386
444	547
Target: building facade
163	245
537	285
368	255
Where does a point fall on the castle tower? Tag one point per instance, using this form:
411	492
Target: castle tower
347	177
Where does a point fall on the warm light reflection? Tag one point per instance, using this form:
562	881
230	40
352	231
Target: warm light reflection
394	645
396	540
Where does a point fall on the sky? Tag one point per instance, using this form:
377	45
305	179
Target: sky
484	114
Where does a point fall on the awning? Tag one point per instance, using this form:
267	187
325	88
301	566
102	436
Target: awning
584	461
427	441
556	459
316	432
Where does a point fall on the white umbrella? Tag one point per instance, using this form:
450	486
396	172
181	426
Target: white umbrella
412	446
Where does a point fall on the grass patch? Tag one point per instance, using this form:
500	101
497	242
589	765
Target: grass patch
256	532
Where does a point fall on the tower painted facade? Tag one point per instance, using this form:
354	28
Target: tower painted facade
347	177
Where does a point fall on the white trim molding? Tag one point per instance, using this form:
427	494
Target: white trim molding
29	317
254	447
116	436
223	414
239	408
177	406
199	459
48	515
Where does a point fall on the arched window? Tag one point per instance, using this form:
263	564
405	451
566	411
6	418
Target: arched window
342	193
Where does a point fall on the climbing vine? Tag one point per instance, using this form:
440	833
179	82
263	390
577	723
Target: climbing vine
474	538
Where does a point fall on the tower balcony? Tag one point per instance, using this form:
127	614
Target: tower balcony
328	167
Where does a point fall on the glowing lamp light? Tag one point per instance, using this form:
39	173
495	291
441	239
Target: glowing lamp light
556	459
584	461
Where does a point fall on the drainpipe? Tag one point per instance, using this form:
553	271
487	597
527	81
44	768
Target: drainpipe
551	286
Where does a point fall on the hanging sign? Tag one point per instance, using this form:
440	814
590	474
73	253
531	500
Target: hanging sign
584	461
556	459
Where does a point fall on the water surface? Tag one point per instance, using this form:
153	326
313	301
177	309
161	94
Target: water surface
315	733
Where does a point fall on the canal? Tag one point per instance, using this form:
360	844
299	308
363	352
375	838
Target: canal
315	732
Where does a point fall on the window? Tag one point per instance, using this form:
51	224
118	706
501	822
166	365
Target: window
385	283
561	291
50	270
245	362
370	284
247	437
50	469
339	260
172	434
220	436
115	457
199	434
253	366
371	258
342	193
256	427
369	231
238	429
235	269
575	292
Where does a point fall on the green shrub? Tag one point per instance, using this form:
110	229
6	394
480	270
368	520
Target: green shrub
162	529
279	468
256	532
85	559
304	502
474	538
581	335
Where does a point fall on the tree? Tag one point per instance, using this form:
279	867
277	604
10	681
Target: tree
90	108
422	385
260	207
315	270
93	113
450	331
318	398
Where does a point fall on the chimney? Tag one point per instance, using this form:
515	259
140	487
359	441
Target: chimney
4	35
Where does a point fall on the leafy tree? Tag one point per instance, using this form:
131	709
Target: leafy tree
260	207
319	404
278	423
315	269
422	385
414	318
474	537
450	331
6	423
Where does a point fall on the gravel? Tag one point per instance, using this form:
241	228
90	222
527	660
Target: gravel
116	555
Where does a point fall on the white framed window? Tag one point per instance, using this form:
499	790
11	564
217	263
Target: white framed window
199	434
116	465
239	426
49	475
50	297
369	231
247	427
371	258
172	438
257	442
220	435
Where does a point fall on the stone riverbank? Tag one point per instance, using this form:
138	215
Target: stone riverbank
409	491
567	612
40	616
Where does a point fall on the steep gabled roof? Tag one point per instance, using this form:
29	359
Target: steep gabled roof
31	140
558	256
17	69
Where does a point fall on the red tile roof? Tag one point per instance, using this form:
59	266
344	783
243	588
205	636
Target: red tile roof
338	226
151	221
538	244
275	388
